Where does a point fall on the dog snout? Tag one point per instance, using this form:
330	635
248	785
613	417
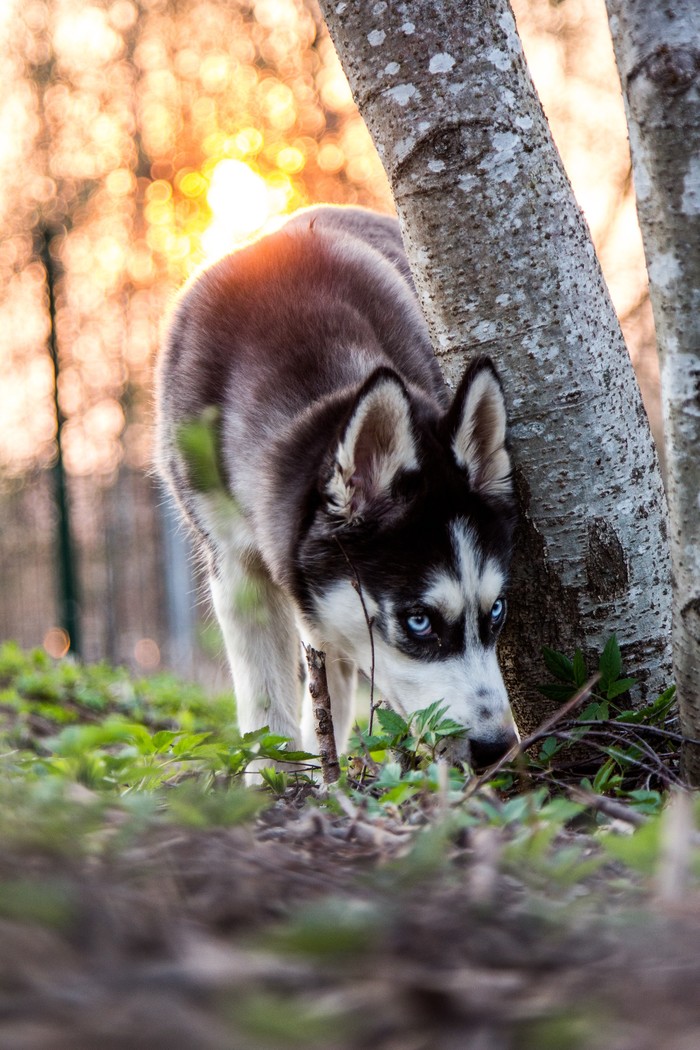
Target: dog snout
486	751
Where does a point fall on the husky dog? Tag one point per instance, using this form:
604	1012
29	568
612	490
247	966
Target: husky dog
365	510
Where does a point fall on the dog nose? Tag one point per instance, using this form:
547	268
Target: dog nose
487	751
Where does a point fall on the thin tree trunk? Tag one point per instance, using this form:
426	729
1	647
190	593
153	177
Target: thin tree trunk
658	54
504	264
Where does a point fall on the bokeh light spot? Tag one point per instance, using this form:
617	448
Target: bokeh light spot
291	160
56	642
147	654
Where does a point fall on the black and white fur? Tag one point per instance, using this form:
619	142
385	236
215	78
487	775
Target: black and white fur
344	458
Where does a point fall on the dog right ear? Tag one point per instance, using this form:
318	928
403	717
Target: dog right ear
477	424
376	445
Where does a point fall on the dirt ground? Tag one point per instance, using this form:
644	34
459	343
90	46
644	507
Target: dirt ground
307	929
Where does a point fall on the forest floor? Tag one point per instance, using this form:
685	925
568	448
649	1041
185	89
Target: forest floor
164	916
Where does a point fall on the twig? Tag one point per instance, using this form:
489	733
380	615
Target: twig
608	806
604	742
370	623
323	718
544	729
640	727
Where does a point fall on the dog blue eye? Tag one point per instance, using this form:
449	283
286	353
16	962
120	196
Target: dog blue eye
498	611
419	624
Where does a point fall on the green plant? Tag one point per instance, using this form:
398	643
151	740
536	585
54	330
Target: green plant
416	741
637	745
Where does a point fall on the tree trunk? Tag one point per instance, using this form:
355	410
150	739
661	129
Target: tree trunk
658	54
503	264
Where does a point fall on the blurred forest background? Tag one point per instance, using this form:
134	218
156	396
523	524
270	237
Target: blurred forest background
138	140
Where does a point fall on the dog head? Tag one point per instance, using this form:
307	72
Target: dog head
411	538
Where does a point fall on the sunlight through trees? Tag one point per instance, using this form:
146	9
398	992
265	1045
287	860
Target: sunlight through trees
147	138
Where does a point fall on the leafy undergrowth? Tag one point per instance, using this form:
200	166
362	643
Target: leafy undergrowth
149	898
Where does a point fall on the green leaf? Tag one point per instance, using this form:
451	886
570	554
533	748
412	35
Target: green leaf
653	713
429	717
162	740
579	669
622	685
372	743
594	712
558	665
391	722
296	756
187	743
197	441
560	693
390	775
603	776
449	727
610	664
277	781
646	801
561	810
549	748
398	794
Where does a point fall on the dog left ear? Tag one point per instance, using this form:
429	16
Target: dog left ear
376	445
478	432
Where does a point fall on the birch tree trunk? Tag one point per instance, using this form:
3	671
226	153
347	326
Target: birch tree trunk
658	54
504	265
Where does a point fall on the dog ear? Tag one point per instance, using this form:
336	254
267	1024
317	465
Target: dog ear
478	432
376	445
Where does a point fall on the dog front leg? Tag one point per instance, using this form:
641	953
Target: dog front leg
262	644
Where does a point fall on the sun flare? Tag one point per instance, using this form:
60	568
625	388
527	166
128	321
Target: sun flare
240	203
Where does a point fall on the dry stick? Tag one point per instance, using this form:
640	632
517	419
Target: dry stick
523	745
323	719
608	806
605	805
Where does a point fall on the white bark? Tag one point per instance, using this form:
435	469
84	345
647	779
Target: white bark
504	265
658	54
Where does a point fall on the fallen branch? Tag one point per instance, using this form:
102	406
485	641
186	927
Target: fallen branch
323	718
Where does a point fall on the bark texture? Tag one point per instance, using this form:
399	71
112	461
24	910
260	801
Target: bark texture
503	264
658	54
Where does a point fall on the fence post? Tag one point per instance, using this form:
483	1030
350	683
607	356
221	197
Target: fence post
69	609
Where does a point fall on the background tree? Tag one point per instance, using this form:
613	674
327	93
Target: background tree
503	264
658	54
